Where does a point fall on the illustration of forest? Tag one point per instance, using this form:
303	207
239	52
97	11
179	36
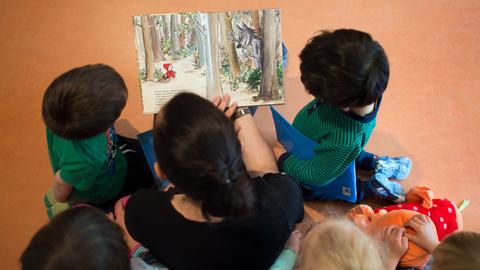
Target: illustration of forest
239	53
171	54
250	56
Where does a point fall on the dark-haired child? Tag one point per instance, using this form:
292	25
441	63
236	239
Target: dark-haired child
79	109
81	238
347	72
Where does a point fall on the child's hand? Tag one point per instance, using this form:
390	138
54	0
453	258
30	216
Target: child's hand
294	241
223	105
396	245
120	220
278	150
426	234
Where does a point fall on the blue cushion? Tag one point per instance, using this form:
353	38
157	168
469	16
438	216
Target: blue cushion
341	188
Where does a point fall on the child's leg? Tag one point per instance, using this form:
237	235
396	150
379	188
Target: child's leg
392	167
385	188
138	172
365	161
397	167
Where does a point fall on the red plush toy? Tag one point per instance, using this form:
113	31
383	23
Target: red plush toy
444	214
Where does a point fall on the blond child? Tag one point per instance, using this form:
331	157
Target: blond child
338	244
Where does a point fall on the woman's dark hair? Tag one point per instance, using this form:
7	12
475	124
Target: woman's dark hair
345	68
80	238
197	148
84	101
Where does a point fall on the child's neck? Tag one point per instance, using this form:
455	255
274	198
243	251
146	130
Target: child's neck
362	111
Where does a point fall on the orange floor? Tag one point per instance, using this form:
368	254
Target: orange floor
430	111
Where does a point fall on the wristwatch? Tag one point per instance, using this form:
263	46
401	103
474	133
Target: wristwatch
241	112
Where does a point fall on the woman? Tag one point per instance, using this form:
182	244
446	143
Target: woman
229	208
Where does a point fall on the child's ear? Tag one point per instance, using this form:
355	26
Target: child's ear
158	171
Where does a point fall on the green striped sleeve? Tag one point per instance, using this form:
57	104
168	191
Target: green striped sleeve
328	163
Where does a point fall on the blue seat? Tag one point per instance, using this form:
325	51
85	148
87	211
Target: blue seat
145	140
342	188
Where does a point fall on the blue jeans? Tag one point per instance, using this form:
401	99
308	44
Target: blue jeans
365	161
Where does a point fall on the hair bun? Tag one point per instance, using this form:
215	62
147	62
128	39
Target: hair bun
228	197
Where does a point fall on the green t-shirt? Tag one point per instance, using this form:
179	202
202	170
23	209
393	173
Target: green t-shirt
94	167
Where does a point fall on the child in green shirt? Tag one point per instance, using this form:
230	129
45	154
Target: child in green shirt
79	109
347	72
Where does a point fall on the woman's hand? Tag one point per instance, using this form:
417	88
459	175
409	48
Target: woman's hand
223	105
257	154
425	232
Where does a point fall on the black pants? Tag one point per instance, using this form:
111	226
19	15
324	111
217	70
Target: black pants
138	172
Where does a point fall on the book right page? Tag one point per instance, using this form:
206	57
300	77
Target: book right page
249	56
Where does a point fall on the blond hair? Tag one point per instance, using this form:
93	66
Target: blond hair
459	251
337	244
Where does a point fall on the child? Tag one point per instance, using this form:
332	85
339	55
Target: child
347	72
79	110
338	244
458	251
81	238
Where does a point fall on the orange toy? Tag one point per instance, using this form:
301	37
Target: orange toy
419	200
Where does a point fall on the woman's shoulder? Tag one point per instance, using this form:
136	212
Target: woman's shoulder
280	190
280	182
146	201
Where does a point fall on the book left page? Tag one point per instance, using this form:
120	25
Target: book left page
170	56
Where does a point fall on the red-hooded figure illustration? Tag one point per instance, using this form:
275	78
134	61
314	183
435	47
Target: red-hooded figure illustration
169	74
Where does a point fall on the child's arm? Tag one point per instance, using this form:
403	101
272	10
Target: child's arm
327	163
60	189
396	245
286	260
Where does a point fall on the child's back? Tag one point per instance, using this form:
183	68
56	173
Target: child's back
347	72
79	110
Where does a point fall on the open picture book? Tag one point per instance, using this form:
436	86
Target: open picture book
210	54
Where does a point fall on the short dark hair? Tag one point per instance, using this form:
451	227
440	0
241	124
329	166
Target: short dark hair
79	238
345	68
197	148
458	251
84	101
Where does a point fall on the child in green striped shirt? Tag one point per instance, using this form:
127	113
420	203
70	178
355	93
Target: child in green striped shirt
347	72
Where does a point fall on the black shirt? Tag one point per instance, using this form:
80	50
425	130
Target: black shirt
251	242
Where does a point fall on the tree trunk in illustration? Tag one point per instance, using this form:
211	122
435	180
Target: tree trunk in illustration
156	43
181	34
200	38
269	85
226	29
165	26
278	37
256	21
174	35
147	42
215	86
